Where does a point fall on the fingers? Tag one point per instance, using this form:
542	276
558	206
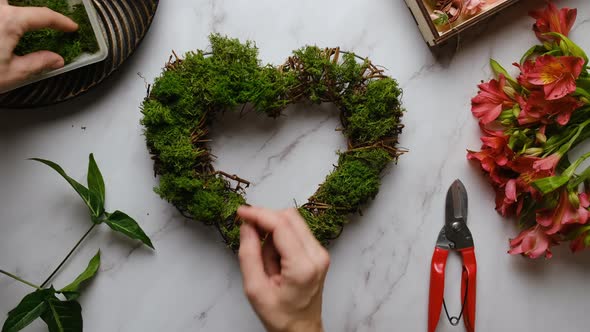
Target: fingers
23	67
271	258
290	264
318	254
288	246
250	255
36	63
263	218
23	19
302	258
301	228
35	18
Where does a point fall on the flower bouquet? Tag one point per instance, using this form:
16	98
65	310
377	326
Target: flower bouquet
529	124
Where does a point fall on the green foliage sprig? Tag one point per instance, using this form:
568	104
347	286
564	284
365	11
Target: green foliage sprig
59	309
59	315
68	45
193	91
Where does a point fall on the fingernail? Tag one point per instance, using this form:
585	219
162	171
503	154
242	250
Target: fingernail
57	64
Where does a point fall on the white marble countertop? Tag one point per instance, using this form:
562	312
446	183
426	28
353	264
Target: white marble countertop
379	277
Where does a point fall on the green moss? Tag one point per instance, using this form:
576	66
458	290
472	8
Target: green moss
375	113
231	235
178	190
169	87
325	225
376	158
204	198
155	114
231	205
355	180
350	72
271	94
69	45
176	150
318	68
192	91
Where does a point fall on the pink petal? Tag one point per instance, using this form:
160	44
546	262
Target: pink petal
563	118
559	89
486	112
511	190
516	250
545	219
548	163
584	202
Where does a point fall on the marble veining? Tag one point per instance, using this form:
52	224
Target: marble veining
379	276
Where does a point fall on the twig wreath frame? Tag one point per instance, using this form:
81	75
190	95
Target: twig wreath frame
191	92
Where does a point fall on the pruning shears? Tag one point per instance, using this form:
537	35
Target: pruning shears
454	236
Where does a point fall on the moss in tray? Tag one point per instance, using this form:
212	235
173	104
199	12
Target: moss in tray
68	45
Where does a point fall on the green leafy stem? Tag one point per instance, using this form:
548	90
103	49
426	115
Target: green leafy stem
59	309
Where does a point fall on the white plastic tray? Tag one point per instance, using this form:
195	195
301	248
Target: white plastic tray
84	59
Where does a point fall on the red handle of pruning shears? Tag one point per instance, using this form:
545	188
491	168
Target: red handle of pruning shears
469	284
437	287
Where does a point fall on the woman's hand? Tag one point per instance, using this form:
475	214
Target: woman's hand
284	278
14	22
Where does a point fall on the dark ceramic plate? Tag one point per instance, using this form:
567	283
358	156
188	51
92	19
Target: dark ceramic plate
125	22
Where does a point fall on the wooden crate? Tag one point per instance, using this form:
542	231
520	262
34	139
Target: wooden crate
455	17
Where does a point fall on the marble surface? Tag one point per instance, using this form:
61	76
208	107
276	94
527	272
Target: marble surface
380	265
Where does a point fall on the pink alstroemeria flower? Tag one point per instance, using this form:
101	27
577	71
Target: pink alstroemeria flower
491	100
557	75
494	155
564	213
536	109
548	163
525	68
507	202
551	19
525	166
472	7
532	243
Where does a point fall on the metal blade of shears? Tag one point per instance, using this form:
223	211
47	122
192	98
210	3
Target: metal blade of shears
456	204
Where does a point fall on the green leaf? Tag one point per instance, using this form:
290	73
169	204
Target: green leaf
442	19
89	197
569	172
71	295
552	183
583	83
71	291
568	46
63	316
498	69
95	180
122	223
584	176
563	164
533	50
582	92
30	308
564	149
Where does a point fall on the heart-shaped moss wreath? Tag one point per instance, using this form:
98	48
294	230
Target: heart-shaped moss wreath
192	91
